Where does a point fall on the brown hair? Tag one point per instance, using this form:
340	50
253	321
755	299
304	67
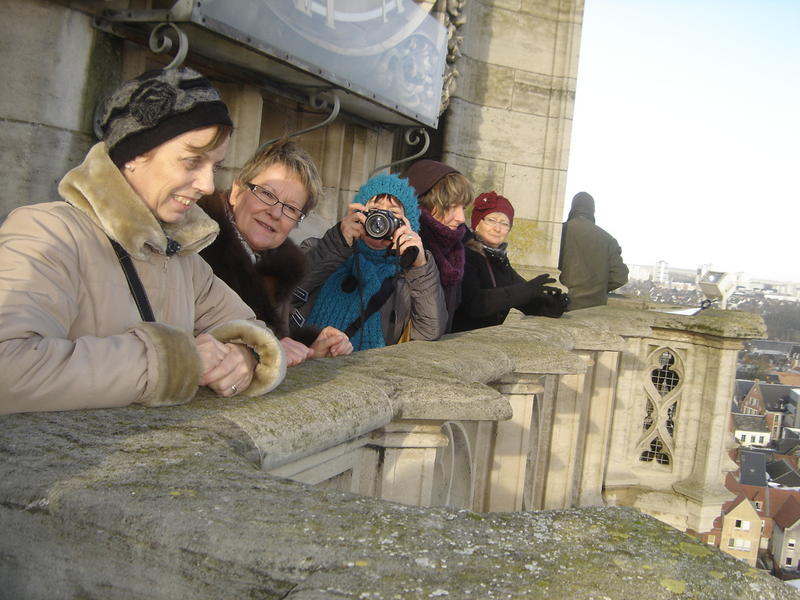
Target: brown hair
451	190
295	159
222	134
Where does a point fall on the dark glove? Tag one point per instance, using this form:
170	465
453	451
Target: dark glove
551	302
537	283
521	294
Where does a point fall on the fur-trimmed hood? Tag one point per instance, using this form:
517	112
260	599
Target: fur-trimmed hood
98	188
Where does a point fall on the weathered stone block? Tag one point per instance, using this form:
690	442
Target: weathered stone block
485	84
44	54
543	95
511	39
485	175
533	190
531	244
34	158
557	11
496	135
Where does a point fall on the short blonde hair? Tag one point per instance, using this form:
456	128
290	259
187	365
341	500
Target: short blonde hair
451	190
287	153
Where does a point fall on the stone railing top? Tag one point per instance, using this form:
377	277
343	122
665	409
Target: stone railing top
327	402
175	502
168	507
631	318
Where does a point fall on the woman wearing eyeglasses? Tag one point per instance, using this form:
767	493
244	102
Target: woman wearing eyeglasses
253	254
491	287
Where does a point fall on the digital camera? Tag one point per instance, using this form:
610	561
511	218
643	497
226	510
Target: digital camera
381	224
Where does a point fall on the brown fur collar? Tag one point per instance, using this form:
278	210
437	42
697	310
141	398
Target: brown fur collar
98	188
265	286
473	244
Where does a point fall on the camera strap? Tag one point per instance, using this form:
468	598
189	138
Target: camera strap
378	299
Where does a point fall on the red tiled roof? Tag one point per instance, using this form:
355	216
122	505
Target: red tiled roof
776	498
789	513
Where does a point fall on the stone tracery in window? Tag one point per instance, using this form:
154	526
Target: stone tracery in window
670	422
655	453
647	422
662	399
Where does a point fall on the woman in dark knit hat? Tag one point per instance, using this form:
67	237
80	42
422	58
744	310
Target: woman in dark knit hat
443	194
104	300
491	287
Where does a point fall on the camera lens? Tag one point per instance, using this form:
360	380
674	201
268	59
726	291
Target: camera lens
377	225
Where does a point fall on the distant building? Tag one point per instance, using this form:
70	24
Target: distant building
751	430
741	531
661	272
777	403
782	473
785	541
748	525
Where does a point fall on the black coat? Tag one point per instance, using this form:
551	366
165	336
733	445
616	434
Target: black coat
491	288
267	285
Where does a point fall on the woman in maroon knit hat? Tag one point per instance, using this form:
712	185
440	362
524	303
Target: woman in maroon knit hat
491	287
443	193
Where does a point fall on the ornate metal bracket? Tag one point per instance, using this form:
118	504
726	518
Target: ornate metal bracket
318	102
160	42
413	136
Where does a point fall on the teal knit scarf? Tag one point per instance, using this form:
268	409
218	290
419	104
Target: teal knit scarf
339	309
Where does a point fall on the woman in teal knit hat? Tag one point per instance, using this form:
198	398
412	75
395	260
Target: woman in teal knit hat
376	288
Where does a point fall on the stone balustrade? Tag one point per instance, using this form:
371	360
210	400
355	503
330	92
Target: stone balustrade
415	471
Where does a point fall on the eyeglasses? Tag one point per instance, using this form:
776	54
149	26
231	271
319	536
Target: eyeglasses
501	224
270	199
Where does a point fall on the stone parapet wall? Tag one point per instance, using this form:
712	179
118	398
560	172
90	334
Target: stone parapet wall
194	501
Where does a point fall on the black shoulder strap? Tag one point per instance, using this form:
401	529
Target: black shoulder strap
378	299
134	283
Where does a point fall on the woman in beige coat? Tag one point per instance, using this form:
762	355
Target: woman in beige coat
72	335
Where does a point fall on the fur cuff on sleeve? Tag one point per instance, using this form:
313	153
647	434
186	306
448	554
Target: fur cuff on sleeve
272	366
176	364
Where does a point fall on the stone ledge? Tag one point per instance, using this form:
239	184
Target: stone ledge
177	516
631	318
175	502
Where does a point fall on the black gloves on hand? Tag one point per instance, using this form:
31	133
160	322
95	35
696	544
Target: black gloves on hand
546	301
537	283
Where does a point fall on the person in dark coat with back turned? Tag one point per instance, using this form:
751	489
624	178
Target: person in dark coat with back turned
591	259
253	254
491	287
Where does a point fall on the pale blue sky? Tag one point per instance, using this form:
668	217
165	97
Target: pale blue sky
686	131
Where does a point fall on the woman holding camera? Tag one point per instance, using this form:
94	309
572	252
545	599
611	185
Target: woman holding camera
370	275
